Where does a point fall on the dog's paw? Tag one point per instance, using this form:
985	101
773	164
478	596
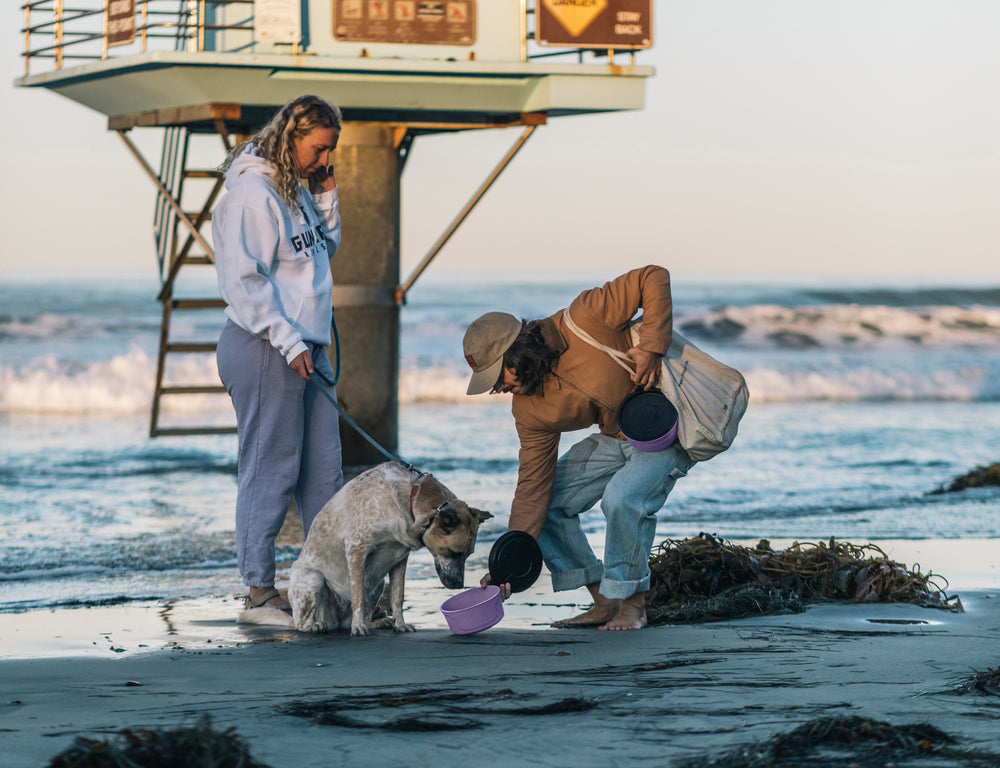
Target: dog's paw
384	623
360	630
402	626
316	628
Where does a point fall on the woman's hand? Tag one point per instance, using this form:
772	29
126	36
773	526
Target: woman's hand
322	180
505	590
647	367
302	364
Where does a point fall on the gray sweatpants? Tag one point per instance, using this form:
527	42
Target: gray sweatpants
289	445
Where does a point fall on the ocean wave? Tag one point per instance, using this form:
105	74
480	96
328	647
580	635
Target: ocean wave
124	385
836	378
874	384
835	351
931	296
152	562
43	604
844	327
61	572
121	384
70	327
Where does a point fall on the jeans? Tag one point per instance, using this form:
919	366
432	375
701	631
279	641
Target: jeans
289	437
632	487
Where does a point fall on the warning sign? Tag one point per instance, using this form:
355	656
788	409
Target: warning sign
618	24
576	16
277	21
433	22
119	21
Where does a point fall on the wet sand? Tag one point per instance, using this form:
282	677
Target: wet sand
517	694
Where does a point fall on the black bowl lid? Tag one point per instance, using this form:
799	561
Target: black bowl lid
646	415
516	560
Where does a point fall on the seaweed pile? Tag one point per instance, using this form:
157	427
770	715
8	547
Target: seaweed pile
432	709
834	742
977	478
706	578
986	682
198	746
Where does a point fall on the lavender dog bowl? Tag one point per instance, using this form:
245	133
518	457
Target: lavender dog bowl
473	610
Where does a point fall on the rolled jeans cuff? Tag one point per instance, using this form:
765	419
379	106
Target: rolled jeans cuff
621	590
578	577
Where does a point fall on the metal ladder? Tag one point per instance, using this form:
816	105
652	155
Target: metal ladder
174	251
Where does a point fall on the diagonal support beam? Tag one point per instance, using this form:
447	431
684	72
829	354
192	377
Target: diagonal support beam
463	215
167	196
185	249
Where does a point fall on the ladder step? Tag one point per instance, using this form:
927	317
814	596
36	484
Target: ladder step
195	215
197	389
179	431
202	174
198	304
198	260
191	346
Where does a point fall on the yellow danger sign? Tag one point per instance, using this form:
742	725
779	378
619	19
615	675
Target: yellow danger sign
606	24
575	15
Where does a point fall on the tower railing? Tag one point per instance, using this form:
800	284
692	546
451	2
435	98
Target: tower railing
59	33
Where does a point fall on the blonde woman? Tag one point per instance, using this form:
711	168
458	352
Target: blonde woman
273	241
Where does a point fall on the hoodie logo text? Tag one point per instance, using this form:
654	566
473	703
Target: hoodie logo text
309	238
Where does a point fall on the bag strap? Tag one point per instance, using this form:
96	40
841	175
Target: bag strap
619	357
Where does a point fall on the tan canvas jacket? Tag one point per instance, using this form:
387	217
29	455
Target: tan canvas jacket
587	386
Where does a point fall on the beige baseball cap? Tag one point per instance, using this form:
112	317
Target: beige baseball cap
484	345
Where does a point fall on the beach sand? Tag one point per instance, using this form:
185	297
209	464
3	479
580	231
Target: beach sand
517	694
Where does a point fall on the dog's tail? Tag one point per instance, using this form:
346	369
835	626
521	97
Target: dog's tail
266	615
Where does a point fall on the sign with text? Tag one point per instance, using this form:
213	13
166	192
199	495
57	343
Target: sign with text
433	22
618	24
277	21
119	21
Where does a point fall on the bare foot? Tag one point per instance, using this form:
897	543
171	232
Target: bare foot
603	610
631	614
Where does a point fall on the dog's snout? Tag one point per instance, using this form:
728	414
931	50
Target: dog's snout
451	573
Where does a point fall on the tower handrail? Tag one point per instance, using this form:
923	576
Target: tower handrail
182	21
65	29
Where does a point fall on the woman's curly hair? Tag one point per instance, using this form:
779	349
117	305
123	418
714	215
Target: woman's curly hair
530	358
295	120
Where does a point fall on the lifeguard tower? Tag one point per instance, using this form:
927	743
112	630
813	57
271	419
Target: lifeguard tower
399	69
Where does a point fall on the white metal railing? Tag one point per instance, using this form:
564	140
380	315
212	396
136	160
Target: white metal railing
60	31
57	32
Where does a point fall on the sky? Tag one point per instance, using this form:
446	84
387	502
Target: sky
854	138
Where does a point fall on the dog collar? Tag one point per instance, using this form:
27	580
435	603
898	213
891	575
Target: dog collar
414	490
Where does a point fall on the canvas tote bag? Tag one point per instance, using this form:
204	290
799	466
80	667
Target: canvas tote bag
710	397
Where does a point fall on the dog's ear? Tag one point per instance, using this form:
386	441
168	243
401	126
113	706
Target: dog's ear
482	513
448	518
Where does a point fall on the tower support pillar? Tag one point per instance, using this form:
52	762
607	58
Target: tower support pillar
365	276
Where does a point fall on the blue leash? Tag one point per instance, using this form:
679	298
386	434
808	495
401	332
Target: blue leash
318	375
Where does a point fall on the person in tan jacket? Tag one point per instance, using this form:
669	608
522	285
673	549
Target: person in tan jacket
561	384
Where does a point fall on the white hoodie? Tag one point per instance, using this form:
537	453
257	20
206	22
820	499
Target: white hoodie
273	263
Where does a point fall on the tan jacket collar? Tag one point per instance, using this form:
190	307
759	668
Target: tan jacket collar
551	334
